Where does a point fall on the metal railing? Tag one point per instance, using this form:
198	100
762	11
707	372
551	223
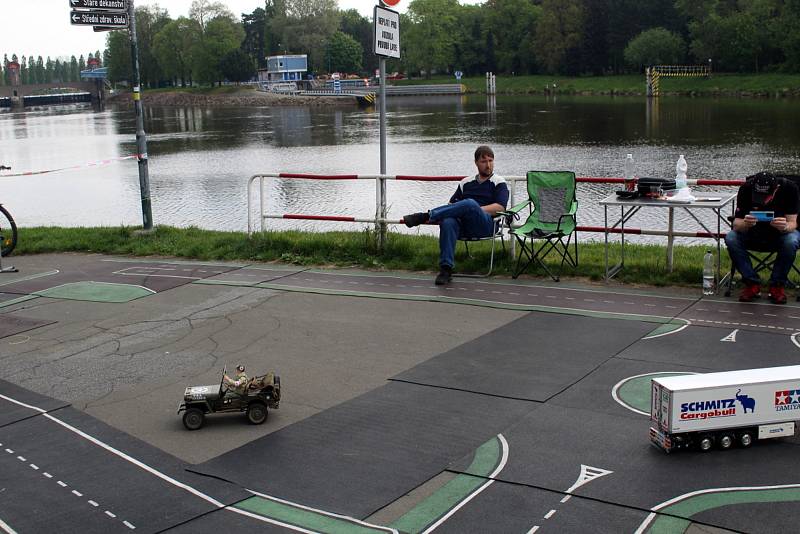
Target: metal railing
380	219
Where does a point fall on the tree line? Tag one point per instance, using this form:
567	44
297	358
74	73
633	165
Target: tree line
568	37
37	70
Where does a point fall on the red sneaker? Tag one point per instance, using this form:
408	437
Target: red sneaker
752	292
777	295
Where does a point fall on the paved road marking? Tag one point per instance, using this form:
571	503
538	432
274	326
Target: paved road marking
730	337
448	515
549	514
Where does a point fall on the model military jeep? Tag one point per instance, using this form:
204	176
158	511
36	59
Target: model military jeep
259	394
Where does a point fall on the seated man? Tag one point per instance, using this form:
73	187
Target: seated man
765	192
469	213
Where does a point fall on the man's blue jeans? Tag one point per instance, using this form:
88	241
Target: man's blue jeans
785	245
463	218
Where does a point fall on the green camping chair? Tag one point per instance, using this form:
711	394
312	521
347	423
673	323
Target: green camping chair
551	224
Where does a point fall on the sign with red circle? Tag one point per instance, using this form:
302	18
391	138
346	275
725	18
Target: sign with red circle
391	2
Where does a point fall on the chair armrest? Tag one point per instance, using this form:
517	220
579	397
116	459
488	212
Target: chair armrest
516	209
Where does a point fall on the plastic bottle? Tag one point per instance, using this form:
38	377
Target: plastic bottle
709	282
629	177
680	173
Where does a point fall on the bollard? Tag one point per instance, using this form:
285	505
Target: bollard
10	268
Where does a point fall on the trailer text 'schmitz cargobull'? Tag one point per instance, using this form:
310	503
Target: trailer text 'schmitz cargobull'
724	409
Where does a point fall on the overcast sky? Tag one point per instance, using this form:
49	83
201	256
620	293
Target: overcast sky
42	27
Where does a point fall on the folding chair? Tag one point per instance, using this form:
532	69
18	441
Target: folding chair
553	205
499	233
762	260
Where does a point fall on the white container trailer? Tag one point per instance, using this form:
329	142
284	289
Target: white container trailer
724	409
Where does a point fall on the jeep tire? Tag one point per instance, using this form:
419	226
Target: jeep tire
193	418
257	413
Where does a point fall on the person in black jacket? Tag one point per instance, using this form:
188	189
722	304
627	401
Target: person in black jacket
765	192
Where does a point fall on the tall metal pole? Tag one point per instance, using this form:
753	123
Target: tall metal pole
141	138
382	183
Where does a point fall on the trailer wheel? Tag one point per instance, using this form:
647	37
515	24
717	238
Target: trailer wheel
745	439
725	441
706	443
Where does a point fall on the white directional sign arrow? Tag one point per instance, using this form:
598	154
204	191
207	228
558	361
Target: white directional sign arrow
99	18
102	5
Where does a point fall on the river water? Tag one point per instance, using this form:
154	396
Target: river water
201	158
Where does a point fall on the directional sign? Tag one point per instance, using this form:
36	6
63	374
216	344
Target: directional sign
99	18
102	5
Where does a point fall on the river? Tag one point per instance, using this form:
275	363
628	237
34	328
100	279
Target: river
201	158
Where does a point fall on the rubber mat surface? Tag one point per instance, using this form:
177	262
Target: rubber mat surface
155	276
365	453
717	349
12	324
92	478
548	448
11	412
533	358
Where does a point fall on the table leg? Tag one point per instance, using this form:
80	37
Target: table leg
670	238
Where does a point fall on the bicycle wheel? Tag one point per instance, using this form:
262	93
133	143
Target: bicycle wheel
8	231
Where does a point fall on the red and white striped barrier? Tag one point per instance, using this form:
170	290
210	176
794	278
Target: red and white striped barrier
379	177
98	163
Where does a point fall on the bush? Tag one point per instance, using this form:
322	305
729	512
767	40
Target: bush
655	46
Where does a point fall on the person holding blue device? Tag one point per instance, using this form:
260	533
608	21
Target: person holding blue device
765	220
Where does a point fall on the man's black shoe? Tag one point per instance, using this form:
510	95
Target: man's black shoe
415	219
445	275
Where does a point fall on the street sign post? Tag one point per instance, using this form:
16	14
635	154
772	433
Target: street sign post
99	18
114	15
386	43
120	6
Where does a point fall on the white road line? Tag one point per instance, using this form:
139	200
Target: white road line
129	525
6	528
532	530
77	493
93	503
679	498
500	466
21	459
109	514
618	385
34	467
566	498
121	454
9	451
549	514
48	475
62	484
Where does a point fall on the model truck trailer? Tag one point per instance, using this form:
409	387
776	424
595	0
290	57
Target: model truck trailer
724	409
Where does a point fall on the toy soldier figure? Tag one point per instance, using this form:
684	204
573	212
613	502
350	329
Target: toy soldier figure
239	383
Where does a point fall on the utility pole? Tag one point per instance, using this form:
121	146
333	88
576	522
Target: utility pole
141	137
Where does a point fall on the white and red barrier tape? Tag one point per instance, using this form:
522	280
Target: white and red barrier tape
97	163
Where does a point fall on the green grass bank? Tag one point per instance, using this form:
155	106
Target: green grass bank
644	264
753	85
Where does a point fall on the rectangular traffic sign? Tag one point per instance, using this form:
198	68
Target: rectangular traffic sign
103	5
387	32
99	18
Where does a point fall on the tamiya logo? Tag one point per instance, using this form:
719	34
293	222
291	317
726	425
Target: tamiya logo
787	400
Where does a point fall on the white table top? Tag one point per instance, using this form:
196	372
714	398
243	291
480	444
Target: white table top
721	199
